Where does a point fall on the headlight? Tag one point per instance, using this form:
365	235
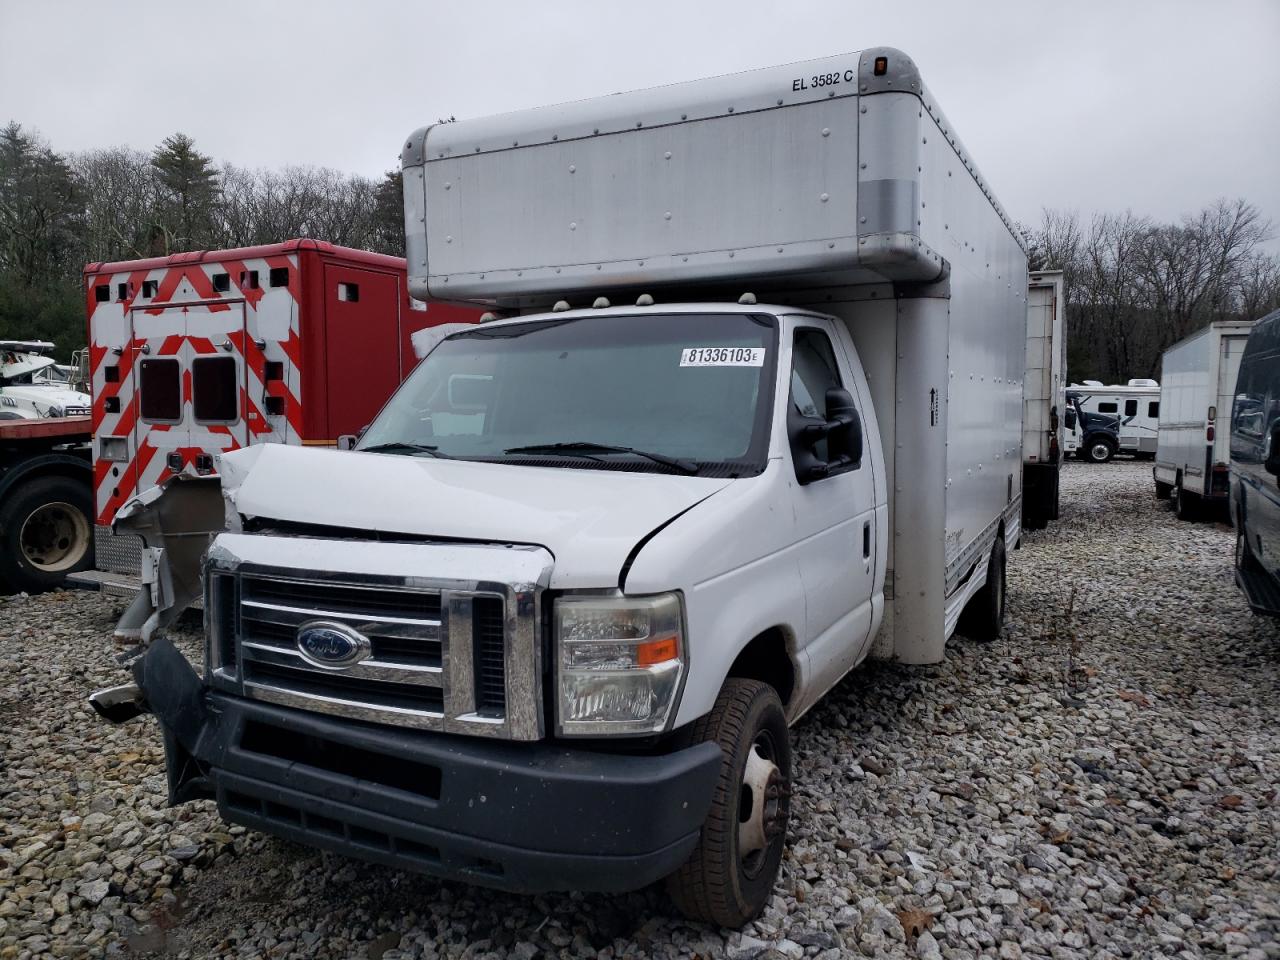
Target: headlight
621	660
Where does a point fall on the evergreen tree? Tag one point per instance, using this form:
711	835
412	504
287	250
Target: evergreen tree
190	184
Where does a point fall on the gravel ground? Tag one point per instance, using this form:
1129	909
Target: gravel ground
1094	786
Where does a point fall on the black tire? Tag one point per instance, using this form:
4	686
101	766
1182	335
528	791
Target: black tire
983	617
46	532
718	884
1098	449
1185	504
1163	490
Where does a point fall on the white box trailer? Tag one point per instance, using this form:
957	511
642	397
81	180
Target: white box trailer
752	413
1197	387
1043	397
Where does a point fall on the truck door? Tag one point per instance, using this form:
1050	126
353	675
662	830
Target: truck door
835	520
190	388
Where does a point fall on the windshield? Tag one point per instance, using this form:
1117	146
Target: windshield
650	391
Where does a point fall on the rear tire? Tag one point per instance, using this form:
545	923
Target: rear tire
1185	504
46	532
730	875
983	617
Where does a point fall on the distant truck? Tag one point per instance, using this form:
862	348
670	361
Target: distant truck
1043	398
45	501
196	354
1198	378
1126	421
752	413
1255	467
32	386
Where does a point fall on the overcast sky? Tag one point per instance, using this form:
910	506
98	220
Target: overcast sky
1157	106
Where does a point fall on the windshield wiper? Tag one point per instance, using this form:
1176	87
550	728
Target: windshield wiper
405	446
587	447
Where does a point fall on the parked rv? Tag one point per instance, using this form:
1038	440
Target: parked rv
752	416
1255	467
1122	418
1043	399
1198	377
196	354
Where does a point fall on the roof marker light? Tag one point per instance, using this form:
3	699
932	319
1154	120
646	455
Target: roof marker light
600	303
560	307
644	300
881	66
747	298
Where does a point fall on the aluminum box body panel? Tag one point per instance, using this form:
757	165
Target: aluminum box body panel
1043	389
817	173
1196	373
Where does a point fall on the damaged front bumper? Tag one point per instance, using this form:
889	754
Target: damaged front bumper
525	817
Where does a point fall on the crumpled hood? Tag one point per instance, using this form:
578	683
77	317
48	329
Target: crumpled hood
590	520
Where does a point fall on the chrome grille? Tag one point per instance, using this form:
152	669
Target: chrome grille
439	658
459	654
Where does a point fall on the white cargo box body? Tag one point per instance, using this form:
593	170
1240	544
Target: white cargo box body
828	184
1044	390
1197	390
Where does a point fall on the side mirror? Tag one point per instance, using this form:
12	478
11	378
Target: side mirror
1069	418
1272	463
841	429
348	441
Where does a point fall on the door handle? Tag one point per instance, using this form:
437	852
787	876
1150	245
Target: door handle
866	540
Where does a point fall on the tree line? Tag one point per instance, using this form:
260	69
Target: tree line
60	211
1134	285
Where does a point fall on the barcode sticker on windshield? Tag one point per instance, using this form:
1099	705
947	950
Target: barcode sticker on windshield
722	357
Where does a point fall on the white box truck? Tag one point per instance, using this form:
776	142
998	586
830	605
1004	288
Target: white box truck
1197	382
1043	398
752	413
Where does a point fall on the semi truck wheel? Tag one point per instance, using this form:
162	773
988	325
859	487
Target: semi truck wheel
45	533
1099	449
983	617
729	877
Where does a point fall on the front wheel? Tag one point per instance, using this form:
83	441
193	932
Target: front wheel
1099	450
729	877
45	533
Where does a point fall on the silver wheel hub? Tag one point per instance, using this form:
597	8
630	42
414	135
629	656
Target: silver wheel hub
54	537
765	810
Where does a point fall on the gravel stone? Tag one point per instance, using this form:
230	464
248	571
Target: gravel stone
1102	785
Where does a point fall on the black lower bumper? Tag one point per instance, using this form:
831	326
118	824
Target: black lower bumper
522	817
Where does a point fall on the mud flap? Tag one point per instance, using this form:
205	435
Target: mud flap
176	522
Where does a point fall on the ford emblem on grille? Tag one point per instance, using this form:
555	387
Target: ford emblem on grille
332	645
